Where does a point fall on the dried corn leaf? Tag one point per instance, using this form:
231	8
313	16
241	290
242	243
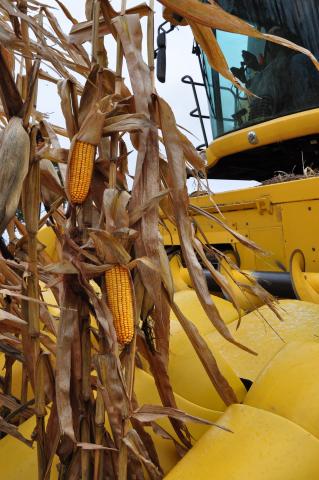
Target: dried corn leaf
69	316
130	122
147	166
134	443
191	154
151	413
176	182
9	94
67	95
7	316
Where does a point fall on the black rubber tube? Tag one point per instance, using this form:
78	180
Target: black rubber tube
278	284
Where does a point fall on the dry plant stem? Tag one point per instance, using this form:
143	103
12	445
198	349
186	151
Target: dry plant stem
85	455
119	66
31	198
113	163
99	432
95	30
99	423
86	387
150	42
23	7
123	455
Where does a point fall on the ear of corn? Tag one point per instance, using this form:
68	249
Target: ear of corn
14	165
120	302
80	171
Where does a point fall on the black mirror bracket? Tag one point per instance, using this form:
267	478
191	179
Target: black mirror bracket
160	52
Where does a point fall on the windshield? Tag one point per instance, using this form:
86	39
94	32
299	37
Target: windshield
284	81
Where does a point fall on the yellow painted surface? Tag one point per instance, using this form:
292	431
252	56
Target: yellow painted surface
266	335
146	393
273	131
190	305
16	378
289	385
17	460
189	378
47	236
263	446
304	284
280	218
177	270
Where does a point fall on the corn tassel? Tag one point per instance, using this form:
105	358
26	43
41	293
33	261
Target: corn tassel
120	302
80	171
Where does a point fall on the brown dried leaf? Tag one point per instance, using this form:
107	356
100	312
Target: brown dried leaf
180	202
93	446
191	154
69	315
151	413
129	122
108	248
135	444
65	88
4	315
9	94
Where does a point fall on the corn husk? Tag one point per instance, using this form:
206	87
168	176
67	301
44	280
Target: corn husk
14	164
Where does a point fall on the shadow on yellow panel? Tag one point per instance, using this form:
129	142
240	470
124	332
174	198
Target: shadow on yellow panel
262	446
289	385
264	333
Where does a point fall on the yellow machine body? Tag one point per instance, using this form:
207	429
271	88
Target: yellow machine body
280	218
280	129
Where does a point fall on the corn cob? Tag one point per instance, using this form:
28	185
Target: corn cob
120	302
80	171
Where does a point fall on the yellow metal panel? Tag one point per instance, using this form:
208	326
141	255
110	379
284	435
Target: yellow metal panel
305	285
185	366
272	241
286	192
17	460
190	305
289	386
301	231
262	446
265	334
16	378
279	217
47	236
273	131
147	394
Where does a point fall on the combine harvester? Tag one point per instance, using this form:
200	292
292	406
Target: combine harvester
273	139
269	428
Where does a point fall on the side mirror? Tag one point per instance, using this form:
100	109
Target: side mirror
160	52
161	57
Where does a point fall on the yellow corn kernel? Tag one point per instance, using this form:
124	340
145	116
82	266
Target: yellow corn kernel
120	302
80	171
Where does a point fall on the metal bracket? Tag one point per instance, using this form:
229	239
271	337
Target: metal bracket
264	205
